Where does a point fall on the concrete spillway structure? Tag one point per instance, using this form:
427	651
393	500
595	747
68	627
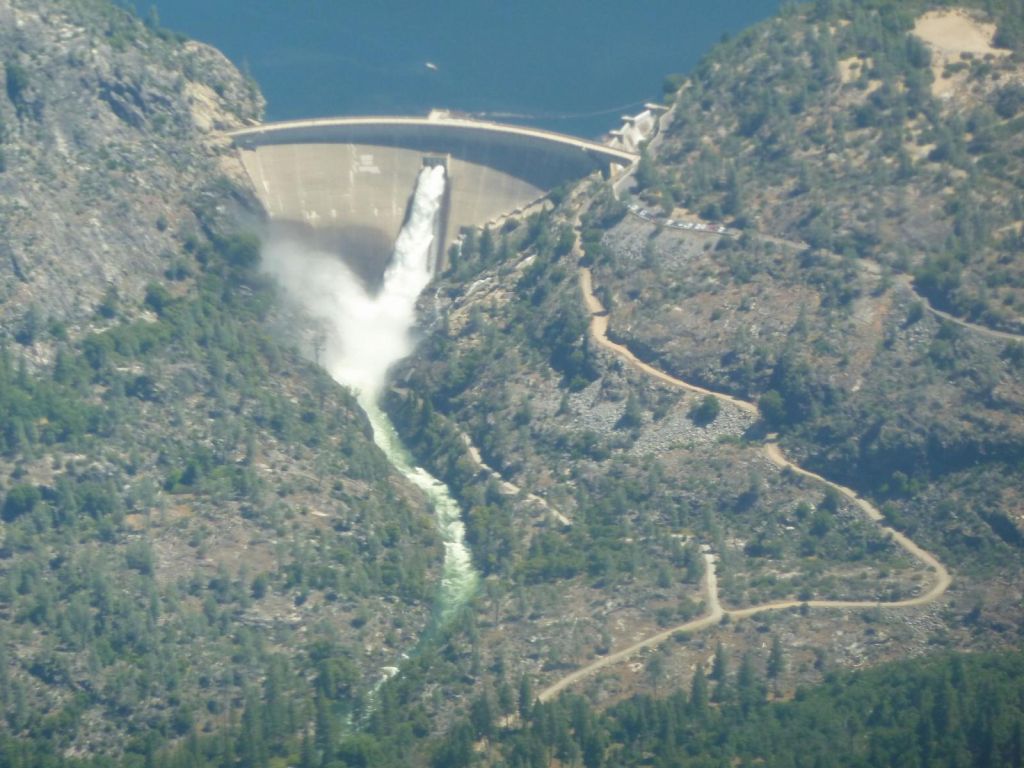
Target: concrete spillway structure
346	181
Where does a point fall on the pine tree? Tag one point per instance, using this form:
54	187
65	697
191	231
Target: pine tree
274	709
747	684
525	698
324	733
481	715
306	759
720	674
776	661
720	665
251	746
506	698
699	695
594	746
655	670
486	245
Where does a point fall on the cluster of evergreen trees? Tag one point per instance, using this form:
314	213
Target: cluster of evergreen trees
957	711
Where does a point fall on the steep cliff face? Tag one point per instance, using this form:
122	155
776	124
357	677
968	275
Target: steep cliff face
108	148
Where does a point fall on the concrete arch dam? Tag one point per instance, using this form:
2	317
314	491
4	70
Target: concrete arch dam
345	183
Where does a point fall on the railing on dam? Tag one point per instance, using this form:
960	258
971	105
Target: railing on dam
437	127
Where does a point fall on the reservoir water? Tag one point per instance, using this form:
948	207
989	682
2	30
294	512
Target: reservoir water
568	65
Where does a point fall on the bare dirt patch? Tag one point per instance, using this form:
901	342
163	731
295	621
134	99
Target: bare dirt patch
851	69
952	34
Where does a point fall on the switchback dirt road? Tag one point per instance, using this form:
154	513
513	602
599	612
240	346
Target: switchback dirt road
942	578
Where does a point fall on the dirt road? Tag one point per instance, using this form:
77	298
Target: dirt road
712	617
599	331
511	489
772	451
875	268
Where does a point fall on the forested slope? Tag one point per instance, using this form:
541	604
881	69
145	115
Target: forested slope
957	711
854	153
191	515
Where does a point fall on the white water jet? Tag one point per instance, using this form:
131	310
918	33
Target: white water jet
364	335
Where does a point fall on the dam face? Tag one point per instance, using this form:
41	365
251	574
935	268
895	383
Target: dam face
345	183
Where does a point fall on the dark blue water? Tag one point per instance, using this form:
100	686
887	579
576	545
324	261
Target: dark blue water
571	65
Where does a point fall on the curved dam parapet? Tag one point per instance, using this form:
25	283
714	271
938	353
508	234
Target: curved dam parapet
346	182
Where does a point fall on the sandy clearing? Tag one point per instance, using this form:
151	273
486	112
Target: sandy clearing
954	32
849	69
950	34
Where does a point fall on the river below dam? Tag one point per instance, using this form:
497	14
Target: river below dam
364	333
459	579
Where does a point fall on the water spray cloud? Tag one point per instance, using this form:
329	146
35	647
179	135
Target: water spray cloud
364	334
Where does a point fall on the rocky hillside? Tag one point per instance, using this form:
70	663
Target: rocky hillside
205	561
888	135
870	171
109	155
820	139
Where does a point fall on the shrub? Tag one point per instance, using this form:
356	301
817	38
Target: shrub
1009	100
241	250
20	500
706	411
157	298
773	410
17	84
